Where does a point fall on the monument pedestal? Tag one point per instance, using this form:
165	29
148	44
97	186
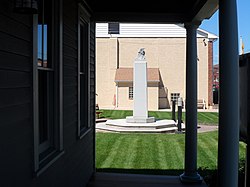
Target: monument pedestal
132	119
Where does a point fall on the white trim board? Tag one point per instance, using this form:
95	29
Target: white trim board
140	30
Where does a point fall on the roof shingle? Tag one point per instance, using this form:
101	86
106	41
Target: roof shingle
126	75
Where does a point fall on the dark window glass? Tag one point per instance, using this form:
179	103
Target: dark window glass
113	28
44	30
83	47
83	76
46	108
175	96
131	93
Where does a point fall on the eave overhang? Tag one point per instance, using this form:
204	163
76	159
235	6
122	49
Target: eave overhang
156	12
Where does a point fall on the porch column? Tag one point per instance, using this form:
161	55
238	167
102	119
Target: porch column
190	174
228	150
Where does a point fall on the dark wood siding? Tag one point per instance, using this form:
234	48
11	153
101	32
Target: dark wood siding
92	71
16	127
75	167
77	164
92	83
70	88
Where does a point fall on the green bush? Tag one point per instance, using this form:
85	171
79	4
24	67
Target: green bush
211	176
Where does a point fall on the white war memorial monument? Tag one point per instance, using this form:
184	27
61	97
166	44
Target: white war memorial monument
140	121
140	95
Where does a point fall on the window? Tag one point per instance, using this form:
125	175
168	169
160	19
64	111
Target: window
47	126
113	28
175	96
45	79
83	73
130	93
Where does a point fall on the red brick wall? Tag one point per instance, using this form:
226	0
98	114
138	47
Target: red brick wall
210	73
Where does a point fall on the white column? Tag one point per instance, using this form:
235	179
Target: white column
190	174
228	150
140	90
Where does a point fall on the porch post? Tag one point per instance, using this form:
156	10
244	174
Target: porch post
228	146
190	174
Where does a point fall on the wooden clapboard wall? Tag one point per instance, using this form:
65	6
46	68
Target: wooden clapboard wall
76	165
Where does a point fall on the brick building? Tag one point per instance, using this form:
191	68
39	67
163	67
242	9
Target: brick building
117	46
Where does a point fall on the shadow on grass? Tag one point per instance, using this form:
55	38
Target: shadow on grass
141	171
210	176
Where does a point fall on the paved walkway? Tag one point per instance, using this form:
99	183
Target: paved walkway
207	128
165	110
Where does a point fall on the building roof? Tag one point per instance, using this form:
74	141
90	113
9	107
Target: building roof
126	75
143	30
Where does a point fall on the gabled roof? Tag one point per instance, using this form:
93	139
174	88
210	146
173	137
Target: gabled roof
150	30
126	75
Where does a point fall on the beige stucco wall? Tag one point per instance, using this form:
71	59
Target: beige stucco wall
203	70
106	58
153	97
125	103
167	54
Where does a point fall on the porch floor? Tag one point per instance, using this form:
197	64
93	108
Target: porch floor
137	180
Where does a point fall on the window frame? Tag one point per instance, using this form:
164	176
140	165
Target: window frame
113	28
83	19
131	93
173	96
41	164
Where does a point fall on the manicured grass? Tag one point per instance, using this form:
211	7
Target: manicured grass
203	117
154	151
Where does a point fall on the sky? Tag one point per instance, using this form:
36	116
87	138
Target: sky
212	26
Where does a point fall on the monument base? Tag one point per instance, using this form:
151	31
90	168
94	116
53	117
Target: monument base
133	119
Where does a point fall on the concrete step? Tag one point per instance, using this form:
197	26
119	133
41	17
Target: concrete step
120	125
104	127
155	125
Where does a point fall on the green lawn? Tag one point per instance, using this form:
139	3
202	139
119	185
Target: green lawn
154	151
203	117
159	153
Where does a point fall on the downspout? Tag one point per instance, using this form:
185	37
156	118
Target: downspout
116	100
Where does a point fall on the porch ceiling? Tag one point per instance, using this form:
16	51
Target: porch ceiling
178	11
